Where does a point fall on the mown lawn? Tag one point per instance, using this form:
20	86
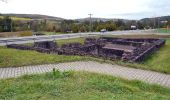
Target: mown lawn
16	58
164	31
66	41
78	86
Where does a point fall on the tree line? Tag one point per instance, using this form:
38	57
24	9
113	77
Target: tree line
67	26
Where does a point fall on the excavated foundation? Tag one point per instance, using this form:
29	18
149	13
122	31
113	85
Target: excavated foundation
131	50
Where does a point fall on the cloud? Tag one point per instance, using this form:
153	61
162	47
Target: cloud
71	9
149	8
135	15
159	7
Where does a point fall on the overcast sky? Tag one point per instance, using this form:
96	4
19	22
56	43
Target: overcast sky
72	9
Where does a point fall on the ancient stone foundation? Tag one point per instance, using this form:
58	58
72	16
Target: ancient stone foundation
131	50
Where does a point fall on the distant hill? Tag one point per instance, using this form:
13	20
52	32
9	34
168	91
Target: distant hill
33	16
161	18
38	16
95	19
100	19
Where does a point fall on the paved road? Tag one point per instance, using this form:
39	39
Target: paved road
32	39
114	70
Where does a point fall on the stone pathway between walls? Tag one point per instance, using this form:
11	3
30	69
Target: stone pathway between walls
103	68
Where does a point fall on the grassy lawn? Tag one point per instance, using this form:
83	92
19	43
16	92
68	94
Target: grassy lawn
66	41
140	36
163	31
15	58
79	40
51	33
78	86
161	59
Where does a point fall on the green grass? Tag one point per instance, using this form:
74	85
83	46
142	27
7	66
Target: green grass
160	60
73	40
140	36
66	41
52	33
163	31
78	86
16	58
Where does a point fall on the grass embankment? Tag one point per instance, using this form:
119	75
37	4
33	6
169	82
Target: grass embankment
78	86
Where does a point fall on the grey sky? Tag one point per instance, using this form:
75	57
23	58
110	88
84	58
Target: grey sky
71	9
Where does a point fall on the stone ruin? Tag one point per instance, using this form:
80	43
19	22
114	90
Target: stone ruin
130	50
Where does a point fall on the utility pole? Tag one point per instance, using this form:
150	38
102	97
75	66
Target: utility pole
137	24
11	26
90	22
154	22
158	22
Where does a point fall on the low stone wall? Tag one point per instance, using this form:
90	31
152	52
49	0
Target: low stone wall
94	47
157	45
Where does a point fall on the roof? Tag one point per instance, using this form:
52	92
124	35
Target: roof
119	47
